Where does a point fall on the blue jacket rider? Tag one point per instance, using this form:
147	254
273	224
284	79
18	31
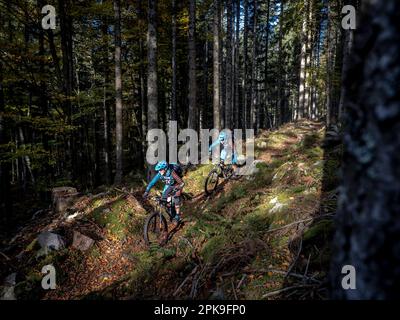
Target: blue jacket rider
222	139
173	186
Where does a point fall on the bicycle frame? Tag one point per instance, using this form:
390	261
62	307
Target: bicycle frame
163	206
222	168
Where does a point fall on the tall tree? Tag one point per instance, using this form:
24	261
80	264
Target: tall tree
193	113
216	65
5	197
118	92
348	36
267	32
173	62
303	55
367	221
236	104
66	29
152	88
253	95
229	65
245	63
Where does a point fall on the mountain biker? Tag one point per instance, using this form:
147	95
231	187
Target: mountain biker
225	144
173	186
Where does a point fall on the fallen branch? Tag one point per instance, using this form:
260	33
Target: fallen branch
297	258
185	280
4	255
291	274
299	221
241	281
234	291
274	293
308	263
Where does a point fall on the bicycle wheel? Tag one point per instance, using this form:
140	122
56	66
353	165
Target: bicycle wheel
155	229
211	182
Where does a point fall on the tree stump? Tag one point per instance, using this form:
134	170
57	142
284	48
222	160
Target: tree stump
63	197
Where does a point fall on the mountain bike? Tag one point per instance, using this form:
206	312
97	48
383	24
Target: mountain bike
220	170
156	225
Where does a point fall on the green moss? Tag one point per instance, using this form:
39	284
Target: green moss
212	248
310	140
319	231
31	246
116	218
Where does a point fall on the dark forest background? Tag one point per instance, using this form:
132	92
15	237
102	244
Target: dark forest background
76	102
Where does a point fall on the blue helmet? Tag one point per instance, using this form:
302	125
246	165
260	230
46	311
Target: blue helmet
161	165
222	136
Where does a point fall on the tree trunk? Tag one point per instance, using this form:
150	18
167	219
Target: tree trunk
152	88
67	70
280	112
367	221
302	83
204	119
106	112
216	66
266	60
307	82
245	63
347	47
193	113
173	62
237	105
253	71
229	63
5	179
118	92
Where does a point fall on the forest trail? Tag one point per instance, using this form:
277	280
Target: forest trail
254	237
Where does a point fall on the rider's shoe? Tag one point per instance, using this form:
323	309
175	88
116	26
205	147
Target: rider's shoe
177	220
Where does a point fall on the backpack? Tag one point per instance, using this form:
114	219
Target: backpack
177	168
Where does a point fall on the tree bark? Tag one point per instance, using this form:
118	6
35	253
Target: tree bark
236	103
152	88
245	63
254	71
216	66
229	63
173	62
193	113
5	168
302	83
367	221
118	92
266	59
347	47
106	111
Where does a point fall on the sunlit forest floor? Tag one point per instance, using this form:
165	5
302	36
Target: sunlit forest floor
265	236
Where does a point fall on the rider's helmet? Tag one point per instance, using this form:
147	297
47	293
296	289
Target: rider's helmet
222	136
161	165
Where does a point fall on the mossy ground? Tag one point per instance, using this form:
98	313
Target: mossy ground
228	241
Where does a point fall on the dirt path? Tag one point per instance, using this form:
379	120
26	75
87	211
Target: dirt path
120	264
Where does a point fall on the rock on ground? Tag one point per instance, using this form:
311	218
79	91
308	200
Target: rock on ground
81	242
7	292
50	241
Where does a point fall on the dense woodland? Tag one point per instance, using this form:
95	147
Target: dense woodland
76	102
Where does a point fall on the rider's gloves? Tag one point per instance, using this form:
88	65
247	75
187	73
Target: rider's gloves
145	195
